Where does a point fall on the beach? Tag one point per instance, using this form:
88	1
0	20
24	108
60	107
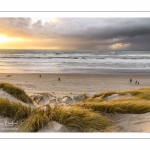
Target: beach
76	83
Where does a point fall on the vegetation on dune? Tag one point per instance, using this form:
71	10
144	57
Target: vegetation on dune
118	106
140	93
37	120
85	95
83	116
104	94
137	104
16	92
16	111
82	120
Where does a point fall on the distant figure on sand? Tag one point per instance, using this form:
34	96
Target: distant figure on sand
40	75
138	83
130	80
135	82
9	75
58	79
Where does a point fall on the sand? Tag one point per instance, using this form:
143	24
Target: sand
75	83
131	122
90	84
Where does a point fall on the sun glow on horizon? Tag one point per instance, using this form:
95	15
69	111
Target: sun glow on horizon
6	39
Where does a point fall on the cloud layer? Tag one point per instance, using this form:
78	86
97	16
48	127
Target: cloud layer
80	33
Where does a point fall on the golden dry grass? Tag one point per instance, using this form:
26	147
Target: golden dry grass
82	120
17	92
84	116
16	111
37	120
138	103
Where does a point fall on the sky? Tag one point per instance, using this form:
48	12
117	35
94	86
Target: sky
75	33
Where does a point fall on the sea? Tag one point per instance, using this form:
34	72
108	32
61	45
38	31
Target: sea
75	61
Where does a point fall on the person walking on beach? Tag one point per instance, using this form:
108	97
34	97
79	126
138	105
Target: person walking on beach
40	75
135	82
130	80
58	79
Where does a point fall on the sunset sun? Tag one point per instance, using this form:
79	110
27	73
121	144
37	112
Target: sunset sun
6	39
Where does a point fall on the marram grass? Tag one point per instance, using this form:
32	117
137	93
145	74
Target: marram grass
104	94
84	116
14	110
140	93
36	121
137	104
16	92
82	120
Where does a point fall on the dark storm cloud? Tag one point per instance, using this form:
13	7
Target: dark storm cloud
95	33
87	33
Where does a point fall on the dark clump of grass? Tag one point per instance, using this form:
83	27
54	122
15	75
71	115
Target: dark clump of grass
96	95
16	111
85	95
82	120
104	94
37	120
16	92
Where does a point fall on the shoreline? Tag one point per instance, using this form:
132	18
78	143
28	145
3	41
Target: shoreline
85	71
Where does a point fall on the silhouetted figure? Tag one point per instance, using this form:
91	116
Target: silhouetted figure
135	82
40	76
138	83
58	79
130	80
9	75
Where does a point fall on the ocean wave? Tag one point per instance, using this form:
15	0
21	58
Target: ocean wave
52	61
75	56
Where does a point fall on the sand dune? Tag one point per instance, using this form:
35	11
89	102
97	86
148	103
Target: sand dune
73	85
131	122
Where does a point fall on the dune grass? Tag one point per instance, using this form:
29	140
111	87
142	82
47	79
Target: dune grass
118	106
140	93
137	104
16	111
16	92
81	120
143	93
104	94
84	116
37	120
29	120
